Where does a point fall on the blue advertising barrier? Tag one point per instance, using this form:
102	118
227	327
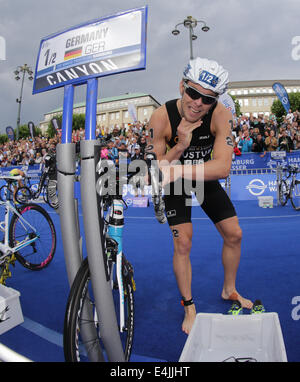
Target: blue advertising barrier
249	161
250	187
33	172
244	185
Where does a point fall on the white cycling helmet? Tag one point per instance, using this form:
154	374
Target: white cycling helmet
207	73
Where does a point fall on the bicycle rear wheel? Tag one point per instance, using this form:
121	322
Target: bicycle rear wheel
23	195
82	329
39	225
283	192
5	193
295	195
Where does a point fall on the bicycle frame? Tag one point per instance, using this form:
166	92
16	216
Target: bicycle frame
92	220
41	184
296	185
115	231
5	247
94	228
288	176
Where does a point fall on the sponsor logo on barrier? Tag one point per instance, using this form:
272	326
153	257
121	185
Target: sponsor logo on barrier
296	311
256	187
137	202
128	201
243	164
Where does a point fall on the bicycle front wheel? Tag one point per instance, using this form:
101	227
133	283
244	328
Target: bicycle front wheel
33	224
295	195
82	329
283	192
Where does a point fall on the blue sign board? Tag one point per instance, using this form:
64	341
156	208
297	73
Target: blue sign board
101	47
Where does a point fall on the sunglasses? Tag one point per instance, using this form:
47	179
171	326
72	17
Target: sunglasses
195	94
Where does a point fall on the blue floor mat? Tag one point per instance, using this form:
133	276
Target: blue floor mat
269	270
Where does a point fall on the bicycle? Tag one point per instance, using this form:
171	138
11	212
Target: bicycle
8	189
47	186
28	237
82	330
289	189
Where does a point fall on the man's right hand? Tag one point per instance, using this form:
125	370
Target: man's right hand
185	131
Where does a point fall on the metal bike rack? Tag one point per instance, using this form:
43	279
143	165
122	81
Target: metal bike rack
122	53
65	181
68	212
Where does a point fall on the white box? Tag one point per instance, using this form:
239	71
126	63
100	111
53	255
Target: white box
10	309
265	201
217	337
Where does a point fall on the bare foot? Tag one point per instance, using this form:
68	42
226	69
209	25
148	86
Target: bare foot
236	296
189	318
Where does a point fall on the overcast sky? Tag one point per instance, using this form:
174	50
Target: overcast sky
252	39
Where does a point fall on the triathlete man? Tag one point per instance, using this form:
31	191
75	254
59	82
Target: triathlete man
196	130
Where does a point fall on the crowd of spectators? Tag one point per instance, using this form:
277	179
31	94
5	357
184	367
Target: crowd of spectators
127	141
264	133
26	152
250	134
130	140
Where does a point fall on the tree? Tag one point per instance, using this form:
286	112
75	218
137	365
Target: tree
77	123
51	132
3	138
236	105
24	131
279	110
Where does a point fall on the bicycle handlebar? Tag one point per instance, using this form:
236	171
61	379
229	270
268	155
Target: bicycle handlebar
122	178
291	169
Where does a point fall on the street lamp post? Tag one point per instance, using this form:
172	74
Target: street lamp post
190	23
21	70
